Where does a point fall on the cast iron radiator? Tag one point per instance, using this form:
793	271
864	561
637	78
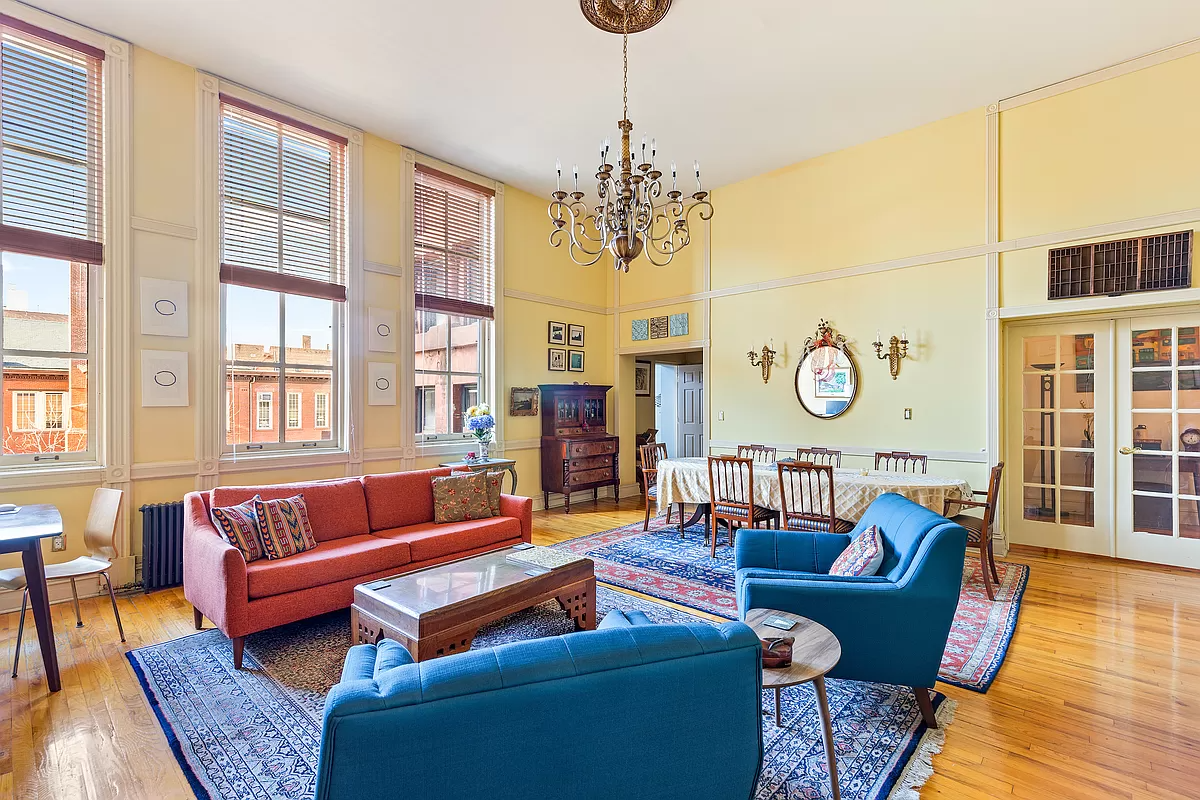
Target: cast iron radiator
162	545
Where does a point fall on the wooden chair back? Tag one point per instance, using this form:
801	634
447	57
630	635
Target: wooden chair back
901	461
756	452
731	488
100	530
807	492
651	455
993	497
820	455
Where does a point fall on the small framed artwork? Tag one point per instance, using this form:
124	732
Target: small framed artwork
575	361
164	378
557	333
678	324
556	359
523	401
381	329
575	335
641	378
164	307
639	330
658	328
381	383
834	385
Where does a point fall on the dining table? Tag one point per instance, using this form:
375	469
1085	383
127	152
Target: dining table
685	480
22	531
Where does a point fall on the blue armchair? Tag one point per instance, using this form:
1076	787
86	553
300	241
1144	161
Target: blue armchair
893	625
628	710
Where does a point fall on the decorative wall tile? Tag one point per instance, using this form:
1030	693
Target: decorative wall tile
679	324
658	328
640	330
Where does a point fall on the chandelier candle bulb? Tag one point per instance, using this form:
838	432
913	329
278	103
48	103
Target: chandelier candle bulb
576	177
558	172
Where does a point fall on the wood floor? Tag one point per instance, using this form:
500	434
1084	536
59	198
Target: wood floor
1098	697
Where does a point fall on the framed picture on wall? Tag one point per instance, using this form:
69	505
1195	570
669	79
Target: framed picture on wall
575	335
523	401
641	378
556	359
575	361
557	333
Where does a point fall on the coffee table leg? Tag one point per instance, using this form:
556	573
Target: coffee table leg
579	600
778	709
826	733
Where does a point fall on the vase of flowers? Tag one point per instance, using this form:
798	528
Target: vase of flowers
480	424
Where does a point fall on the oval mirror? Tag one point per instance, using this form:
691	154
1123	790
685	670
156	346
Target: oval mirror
826	377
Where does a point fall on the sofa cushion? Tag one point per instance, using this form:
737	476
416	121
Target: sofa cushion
458	498
400	498
239	526
429	540
328	562
283	526
335	508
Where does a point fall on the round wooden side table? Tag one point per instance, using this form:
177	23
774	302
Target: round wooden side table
815	652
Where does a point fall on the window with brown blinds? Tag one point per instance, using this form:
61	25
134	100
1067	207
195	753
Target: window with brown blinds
283	203
51	125
453	237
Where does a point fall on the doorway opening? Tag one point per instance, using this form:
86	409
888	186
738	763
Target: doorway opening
669	402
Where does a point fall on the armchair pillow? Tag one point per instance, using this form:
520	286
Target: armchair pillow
239	526
460	498
862	557
284	526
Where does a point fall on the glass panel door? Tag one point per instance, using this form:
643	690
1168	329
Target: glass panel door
1058	475
1158	438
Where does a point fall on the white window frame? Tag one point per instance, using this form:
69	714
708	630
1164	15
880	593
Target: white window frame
258	411
485	336
321	410
299	412
16	411
63	411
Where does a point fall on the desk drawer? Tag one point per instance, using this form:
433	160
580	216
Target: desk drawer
591	476
594	462
585	449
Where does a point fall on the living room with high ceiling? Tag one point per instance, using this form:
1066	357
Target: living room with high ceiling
599	399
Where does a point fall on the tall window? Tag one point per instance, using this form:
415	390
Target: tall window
321	410
283	270
454	277
51	234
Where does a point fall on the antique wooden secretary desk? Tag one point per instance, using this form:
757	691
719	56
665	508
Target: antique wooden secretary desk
578	453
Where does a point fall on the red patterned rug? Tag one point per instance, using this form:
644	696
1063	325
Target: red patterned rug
660	564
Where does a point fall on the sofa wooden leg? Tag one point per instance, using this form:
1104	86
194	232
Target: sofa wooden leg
239	643
925	703
198	618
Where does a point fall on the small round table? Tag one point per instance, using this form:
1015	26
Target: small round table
815	652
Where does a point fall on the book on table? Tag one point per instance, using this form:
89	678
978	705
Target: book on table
542	557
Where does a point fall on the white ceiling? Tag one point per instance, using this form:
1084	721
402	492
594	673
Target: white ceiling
503	87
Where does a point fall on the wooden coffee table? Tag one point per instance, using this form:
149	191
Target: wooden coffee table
815	652
437	611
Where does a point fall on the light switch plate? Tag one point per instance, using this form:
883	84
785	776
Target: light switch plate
908	413
720	416
58	544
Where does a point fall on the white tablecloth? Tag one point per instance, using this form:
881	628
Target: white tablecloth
685	480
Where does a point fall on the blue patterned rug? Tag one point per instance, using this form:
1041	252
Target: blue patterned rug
256	733
662	564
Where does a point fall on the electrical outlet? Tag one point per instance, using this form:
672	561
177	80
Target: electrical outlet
908	413
720	416
58	544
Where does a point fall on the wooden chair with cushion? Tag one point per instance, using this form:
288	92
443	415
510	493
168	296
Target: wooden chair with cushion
979	529
651	454
99	536
901	461
731	487
820	455
759	453
808	504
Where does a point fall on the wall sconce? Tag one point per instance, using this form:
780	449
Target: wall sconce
897	350
764	359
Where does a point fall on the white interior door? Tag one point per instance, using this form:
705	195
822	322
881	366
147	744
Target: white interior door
665	413
1059	431
689	382
1158	439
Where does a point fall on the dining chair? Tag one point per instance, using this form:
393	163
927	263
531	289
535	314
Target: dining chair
731	488
808	499
99	536
759	453
651	455
820	455
979	529
901	461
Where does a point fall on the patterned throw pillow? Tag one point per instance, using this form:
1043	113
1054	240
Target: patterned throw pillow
862	557
283	526
458	498
239	526
494	488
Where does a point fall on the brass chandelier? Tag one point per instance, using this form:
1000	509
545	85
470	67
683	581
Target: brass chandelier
631	217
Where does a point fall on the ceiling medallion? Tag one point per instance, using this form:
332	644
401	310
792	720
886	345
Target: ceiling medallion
608	15
631	217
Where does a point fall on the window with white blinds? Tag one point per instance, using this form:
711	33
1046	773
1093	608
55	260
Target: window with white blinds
283	203
454	245
51	167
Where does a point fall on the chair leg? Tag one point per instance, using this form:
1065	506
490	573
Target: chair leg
716	528
20	631
646	524
992	561
925	703
668	513
75	599
987	572
239	644
113	596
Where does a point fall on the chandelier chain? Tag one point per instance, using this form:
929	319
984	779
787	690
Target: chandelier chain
625	60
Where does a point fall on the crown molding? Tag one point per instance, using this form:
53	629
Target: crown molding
575	305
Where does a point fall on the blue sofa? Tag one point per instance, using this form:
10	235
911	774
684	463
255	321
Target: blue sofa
628	710
893	625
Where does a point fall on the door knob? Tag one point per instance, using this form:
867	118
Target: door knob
1128	451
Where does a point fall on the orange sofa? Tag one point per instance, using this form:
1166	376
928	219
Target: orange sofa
366	528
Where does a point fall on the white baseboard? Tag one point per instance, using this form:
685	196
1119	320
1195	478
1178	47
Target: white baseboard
558	501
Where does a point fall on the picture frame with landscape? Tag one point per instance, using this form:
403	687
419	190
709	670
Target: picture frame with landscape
556	359
523	401
575	361
641	378
575	335
556	332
